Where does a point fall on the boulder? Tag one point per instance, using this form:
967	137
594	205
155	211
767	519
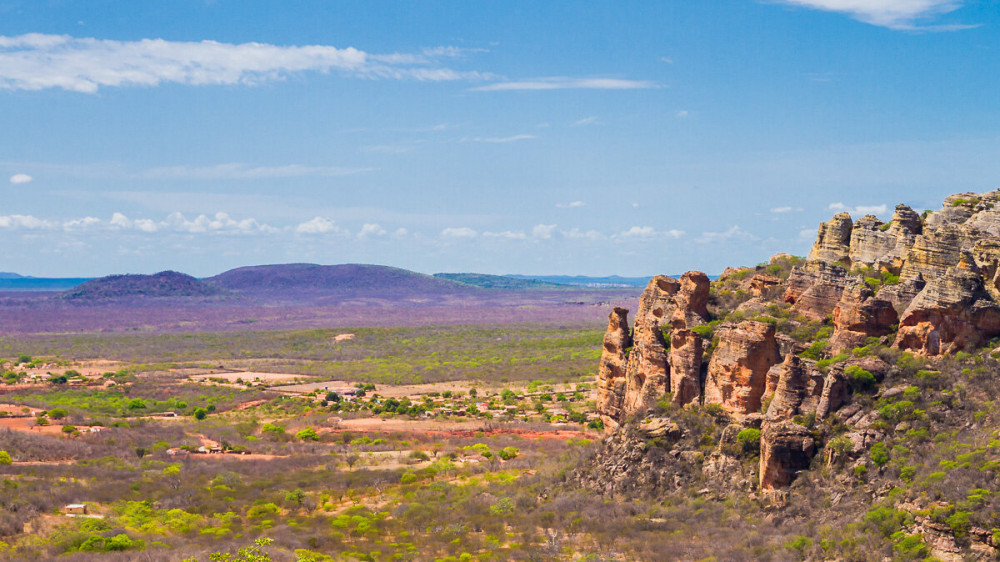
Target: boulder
737	372
785	450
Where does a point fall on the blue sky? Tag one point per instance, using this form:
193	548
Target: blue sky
629	138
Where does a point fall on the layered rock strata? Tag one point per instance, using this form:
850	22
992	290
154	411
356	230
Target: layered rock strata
737	372
785	450
948	268
635	371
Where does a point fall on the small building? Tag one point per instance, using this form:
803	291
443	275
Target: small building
169	414
75	509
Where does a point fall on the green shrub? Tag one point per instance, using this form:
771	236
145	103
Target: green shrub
880	454
749	441
307	434
5	458
860	379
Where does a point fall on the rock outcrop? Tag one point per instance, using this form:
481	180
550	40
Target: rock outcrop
737	372
686	350
860	315
814	289
795	387
648	373
951	314
833	242
675	303
948	268
636	371
785	450
611	372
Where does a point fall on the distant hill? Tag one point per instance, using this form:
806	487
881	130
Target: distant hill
10	275
611	282
163	284
499	281
348	280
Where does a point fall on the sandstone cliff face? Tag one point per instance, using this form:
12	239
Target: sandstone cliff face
737	372
815	289
785	450
628	383
686	349
833	242
796	387
648	373
860	315
675	303
950	314
611	372
949	270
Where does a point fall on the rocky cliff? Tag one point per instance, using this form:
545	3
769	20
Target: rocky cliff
768	344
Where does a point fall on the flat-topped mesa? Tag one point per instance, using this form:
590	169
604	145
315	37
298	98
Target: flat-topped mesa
737	371
611	373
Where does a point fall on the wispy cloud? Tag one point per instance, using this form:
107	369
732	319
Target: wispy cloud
507	235
219	223
499	140
589	235
781	210
543	231
732	233
894	14
318	225
244	171
38	61
20	178
570	205
371	230
567	83
587	121
459	232
641	232
860	209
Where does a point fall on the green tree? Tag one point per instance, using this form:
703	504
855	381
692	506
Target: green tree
200	413
307	434
253	553
57	413
5	458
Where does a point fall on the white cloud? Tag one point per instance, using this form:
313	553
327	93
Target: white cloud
38	61
499	140
543	231
589	235
318	225
461	232
567	83
648	232
780	210
894	14
82	224
571	205
243	171
732	233
20	178
400	232
667	60
587	121
507	235
860	209
682	114
370	230
24	222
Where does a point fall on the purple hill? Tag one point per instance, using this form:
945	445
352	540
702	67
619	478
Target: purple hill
162	284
